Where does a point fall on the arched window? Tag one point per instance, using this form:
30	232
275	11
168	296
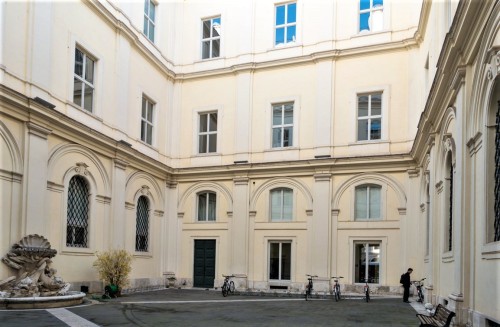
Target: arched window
281	204
142	225
77	213
449	202
367	202
496	192
207	202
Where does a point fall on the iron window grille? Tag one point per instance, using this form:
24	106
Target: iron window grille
78	212
142	225
497	175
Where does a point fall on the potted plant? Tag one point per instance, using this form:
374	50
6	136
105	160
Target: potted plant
114	267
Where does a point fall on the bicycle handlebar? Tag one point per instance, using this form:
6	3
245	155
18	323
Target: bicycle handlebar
337	277
227	275
311	275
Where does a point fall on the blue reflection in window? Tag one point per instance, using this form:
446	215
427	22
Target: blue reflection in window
292	13
363	22
280	15
280	36
364	4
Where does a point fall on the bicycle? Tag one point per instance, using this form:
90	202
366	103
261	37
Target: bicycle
367	291
336	288
420	294
228	285
309	286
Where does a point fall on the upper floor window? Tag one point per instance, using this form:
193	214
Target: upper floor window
371	15
147	121
210	40
369	117
83	89
282	125
285	23
142	225
281	204
207	135
77	213
149	19
207	202
367	202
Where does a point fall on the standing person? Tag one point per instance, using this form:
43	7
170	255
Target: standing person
405	280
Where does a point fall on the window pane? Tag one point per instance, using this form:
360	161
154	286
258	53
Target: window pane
152	10
276	137
143	131
213	123
275	205
78	63
145	27
290	34
206	29
292	13
77	91
377	20
274	260
142	224
146	5
143	113
202	146
216	27
362	129
88	94
288	114
375	202
280	36
215	48
362	106
77	212
373	263
364	4
203	123
377	3
376	104
360	209
205	49
287	136
287	204
276	115
149	136
360	263
280	15
150	112
286	255
212	145
363	22
202	206
89	70
211	206
375	129
151	31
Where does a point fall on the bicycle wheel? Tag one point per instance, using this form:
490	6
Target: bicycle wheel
308	292
225	290
337	293
231	286
420	297
367	295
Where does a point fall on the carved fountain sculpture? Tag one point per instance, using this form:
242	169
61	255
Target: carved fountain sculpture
31	257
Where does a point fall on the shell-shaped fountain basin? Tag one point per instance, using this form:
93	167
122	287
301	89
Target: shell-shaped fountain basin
39	302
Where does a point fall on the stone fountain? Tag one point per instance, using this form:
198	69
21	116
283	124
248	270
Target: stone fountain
36	284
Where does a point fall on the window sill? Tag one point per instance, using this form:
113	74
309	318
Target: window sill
448	257
77	251
368	142
369	33
152	147
85	111
288	45
209	59
147	255
208	154
490	251
287	148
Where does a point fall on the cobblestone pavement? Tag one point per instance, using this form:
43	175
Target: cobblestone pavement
173	307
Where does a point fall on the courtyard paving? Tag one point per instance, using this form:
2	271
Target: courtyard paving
183	307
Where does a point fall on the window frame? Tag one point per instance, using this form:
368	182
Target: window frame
285	25
282	126
211	38
371	9
206	216
85	83
368	186
145	122
147	18
148	220
208	133
280	273
369	117
381	245
281	217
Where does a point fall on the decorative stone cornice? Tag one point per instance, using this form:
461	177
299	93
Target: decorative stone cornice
171	184
229	214
54	187
309	212
241	180
38	130
129	205
11	176
475	143
402	211
322	177
81	168
252	213
120	164
103	199
439	187
180	215
458	78
335	212
413	173
158	213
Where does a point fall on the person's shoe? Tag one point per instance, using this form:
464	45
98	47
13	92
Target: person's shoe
406	301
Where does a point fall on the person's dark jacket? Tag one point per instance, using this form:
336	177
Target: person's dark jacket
405	280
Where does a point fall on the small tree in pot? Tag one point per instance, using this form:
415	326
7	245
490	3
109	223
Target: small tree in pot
113	267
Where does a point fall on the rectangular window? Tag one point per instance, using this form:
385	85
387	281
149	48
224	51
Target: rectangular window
207	135
149	19
280	254
285	23
371	15
206	206
210	39
281	204
367	262
369	117
367	202
147	121
83	84
282	125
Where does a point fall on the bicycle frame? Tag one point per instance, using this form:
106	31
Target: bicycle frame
420	294
367	291
228	285
309	286
336	287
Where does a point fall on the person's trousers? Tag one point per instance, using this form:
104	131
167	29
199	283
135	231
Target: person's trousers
406	293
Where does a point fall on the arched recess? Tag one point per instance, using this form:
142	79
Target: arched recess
446	141
82	155
370	178
210	186
281	182
141	183
13	152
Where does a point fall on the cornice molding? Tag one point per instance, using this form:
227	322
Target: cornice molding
38	130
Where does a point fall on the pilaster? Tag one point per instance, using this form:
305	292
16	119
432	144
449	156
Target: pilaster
239	228
118	216
320	227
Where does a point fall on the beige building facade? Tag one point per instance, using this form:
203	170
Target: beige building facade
265	139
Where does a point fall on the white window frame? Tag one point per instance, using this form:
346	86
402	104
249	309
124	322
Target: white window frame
385	90
148	20
370	117
85	83
145	122
281	217
371	10
208	133
368	186
285	25
211	38
283	126
268	256
206	214
381	244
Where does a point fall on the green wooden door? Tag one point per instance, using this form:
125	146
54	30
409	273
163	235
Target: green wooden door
204	263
